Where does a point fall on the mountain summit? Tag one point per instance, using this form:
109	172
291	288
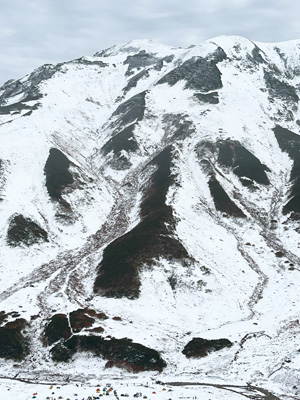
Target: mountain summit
150	215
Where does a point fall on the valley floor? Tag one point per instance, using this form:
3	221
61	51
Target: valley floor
145	388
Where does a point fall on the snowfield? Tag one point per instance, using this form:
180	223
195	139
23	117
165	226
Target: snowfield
208	240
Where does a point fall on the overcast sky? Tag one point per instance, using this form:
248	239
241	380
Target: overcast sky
35	32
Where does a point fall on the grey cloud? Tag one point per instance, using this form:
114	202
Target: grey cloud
42	31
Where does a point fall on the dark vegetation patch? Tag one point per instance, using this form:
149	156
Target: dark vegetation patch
199	347
23	231
123	140
122	353
289	142
57	328
211	98
246	182
199	73
278	88
118	272
57	173
243	163
13	344
222	201
63	351
130	111
80	319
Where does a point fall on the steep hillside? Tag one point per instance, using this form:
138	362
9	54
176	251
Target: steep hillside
149	202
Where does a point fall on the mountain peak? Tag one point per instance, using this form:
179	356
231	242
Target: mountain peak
149	215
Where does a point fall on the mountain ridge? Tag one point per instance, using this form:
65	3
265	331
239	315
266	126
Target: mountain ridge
166	184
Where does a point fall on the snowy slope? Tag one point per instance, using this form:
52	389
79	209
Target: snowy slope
159	186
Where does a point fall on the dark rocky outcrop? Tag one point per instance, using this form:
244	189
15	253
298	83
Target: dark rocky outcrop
143	60
23	231
29	88
222	201
278	88
177	127
123	140
289	142
17	108
13	344
4	316
210	98
121	145
97	329
199	73
57	173
84	61
80	319
118	272
130	111
139	61
57	328
135	79
128	114
64	351
122	353
257	56
243	163
199	347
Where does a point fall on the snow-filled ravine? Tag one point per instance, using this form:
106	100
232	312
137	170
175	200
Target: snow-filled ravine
149	224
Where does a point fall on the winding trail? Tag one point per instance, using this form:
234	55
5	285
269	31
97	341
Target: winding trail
249	391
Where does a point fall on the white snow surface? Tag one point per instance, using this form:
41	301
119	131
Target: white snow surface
235	288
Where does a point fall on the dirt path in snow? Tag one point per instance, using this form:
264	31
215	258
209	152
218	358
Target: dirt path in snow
248	391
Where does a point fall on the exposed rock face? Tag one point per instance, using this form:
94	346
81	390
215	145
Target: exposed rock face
279	88
166	189
23	231
199	347
122	353
199	73
27	87
57	173
139	61
142	61
211	98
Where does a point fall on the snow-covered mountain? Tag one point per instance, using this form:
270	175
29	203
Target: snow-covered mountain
150	208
